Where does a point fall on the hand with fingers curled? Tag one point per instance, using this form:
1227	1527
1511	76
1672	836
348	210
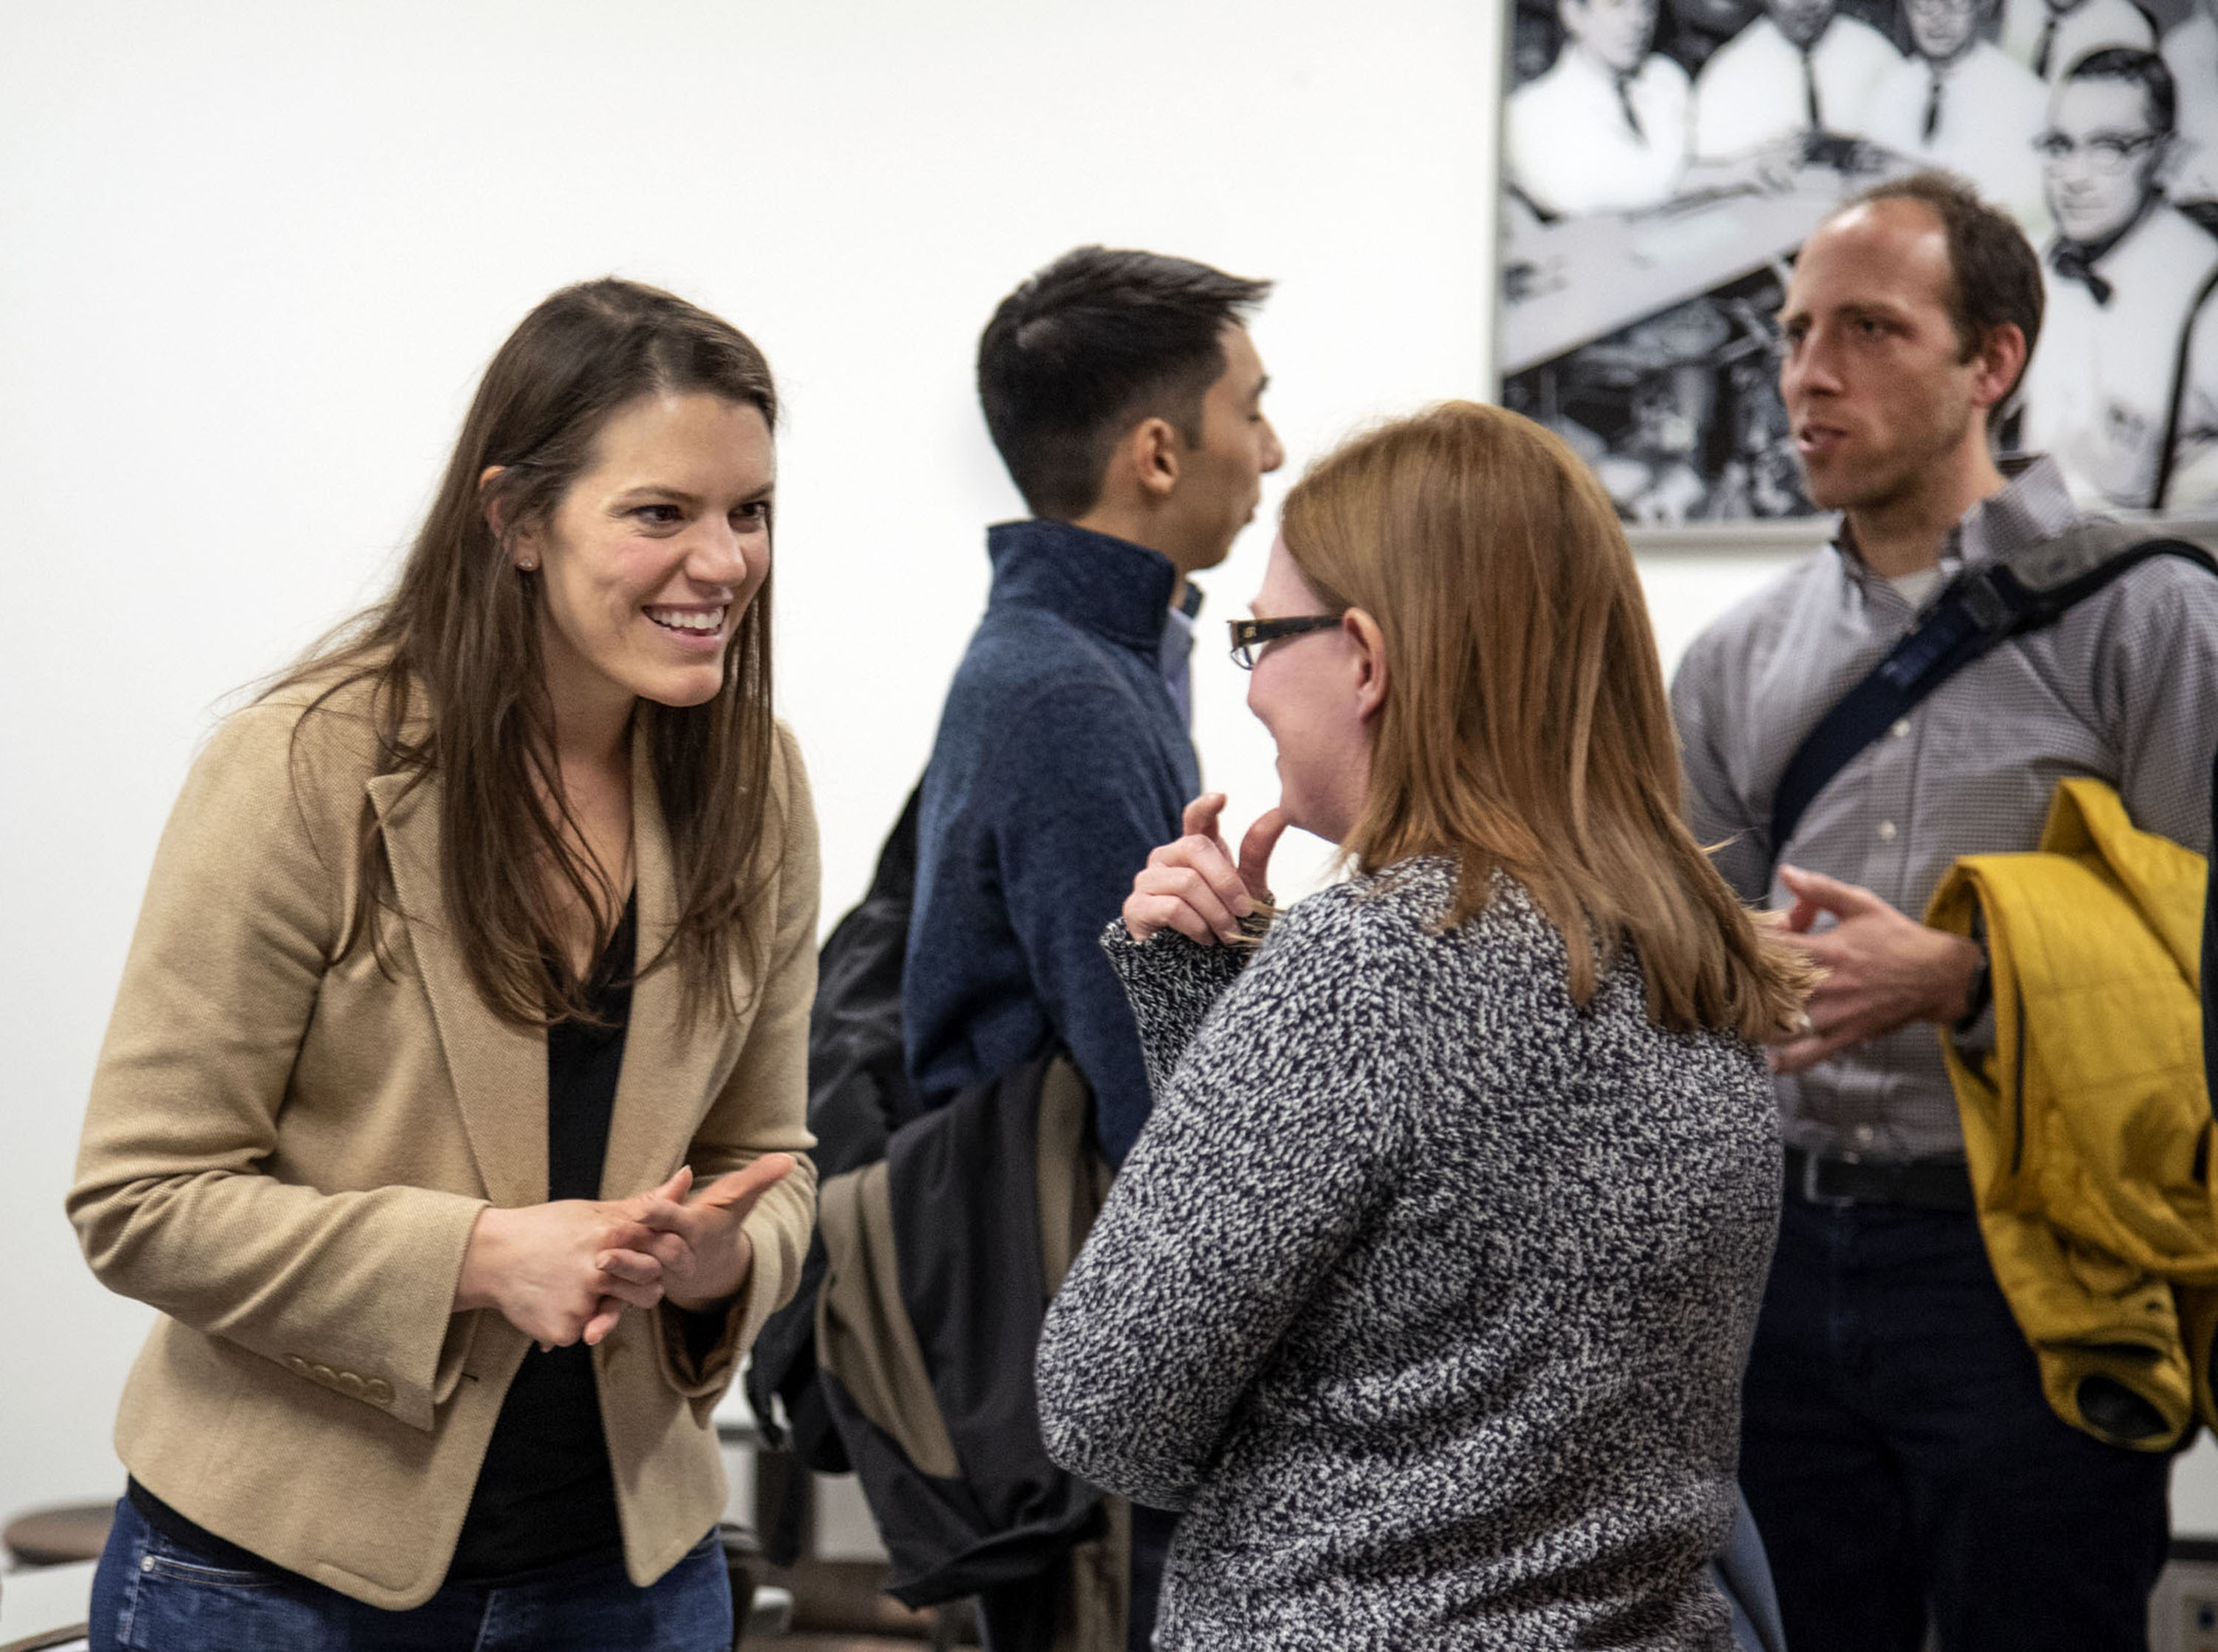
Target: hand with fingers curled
1194	886
1881	969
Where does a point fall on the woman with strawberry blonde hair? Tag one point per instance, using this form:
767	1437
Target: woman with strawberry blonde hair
1426	1291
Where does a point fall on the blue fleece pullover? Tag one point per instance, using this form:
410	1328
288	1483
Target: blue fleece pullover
1060	762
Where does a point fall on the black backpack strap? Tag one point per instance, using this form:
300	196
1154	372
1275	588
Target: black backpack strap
2164	453
1980	608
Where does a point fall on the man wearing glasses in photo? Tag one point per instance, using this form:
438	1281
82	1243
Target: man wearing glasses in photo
2124	391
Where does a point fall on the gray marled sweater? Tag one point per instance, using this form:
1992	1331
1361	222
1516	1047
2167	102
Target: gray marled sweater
1424	1294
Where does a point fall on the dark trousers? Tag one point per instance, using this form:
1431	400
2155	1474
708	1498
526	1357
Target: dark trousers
1899	1457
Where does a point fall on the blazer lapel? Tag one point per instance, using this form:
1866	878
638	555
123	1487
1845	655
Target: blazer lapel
669	1071
498	1069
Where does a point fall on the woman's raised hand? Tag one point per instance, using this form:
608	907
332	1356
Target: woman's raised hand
698	1246
545	1267
1193	886
565	1272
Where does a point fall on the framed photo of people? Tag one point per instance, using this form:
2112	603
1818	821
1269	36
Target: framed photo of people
1663	161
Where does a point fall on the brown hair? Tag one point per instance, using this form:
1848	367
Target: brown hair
461	630
1525	727
1995	274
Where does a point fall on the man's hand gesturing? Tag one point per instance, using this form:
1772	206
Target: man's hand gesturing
1882	969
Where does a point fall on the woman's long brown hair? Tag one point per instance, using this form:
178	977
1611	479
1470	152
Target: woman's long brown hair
1526	726
452	662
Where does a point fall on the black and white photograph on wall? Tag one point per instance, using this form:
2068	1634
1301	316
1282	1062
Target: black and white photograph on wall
1664	160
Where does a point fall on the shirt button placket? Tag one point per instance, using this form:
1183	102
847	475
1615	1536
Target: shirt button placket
1892	780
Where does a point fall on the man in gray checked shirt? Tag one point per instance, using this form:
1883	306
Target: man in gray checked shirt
1896	1447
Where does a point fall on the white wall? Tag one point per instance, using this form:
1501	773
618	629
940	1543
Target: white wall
252	257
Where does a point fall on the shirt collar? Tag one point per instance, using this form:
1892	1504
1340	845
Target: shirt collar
2077	260
1592	70
1948	69
2033	505
1110	586
1816	45
1175	658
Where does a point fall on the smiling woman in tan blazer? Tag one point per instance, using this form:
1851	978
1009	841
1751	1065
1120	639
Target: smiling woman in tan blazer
528	823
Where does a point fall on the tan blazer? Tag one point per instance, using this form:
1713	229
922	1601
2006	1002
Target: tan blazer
286	1157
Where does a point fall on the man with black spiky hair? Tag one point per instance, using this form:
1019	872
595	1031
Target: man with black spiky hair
1124	395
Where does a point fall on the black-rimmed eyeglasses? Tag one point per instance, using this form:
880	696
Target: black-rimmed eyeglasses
2107	152
1249	636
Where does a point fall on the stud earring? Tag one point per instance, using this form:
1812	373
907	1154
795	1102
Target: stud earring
526	566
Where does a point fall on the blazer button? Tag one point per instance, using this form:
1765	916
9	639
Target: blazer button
350	1385
378	1391
325	1375
297	1365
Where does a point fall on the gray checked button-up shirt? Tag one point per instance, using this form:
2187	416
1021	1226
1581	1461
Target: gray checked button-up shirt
2123	689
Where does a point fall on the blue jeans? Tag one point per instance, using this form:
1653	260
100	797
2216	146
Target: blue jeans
1901	1458
150	1594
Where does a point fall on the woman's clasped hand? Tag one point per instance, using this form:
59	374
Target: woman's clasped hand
564	1271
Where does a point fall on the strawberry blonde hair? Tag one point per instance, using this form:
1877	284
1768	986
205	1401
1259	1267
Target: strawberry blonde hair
1526	728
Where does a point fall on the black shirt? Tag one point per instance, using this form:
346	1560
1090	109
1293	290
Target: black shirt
546	1494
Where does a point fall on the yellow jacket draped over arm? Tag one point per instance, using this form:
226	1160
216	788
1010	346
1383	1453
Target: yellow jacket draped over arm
2088	1127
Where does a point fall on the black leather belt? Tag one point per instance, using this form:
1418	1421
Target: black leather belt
1921	1183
